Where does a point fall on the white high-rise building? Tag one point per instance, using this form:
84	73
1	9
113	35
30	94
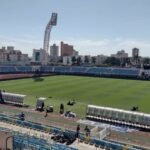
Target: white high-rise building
54	51
39	56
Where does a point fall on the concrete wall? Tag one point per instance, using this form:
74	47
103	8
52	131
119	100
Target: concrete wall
3	138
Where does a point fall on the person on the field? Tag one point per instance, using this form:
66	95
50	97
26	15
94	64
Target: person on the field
77	131
61	109
45	113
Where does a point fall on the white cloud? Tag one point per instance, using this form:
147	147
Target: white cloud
25	43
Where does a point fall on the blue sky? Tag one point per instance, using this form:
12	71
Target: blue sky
92	26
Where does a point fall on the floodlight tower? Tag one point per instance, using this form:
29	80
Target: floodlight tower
52	22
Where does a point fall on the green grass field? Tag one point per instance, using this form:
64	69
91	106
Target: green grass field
116	93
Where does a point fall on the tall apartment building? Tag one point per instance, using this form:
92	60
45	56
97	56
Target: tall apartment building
54	50
67	50
135	52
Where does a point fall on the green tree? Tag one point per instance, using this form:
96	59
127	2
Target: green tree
94	60
79	60
86	59
112	61
74	60
67	60
146	61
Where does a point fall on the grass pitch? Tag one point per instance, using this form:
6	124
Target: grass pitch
115	93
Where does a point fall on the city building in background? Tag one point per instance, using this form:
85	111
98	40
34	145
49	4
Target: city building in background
38	56
11	56
67	50
67	60
100	59
136	60
54	50
120	54
54	53
135	52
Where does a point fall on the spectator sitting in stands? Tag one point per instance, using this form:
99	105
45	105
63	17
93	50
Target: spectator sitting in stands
87	131
22	116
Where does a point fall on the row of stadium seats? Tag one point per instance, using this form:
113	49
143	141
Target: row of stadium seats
15	69
57	146
47	69
118	116
24	69
92	70
7	69
73	70
113	71
107	145
41	143
31	140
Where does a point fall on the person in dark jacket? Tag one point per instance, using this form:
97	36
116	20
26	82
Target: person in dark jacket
77	131
87	131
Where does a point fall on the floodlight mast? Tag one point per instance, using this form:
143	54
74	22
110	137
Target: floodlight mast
46	42
52	22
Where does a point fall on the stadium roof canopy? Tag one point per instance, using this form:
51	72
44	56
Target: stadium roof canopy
12	94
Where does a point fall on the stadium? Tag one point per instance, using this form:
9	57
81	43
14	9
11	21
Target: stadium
61	105
103	98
